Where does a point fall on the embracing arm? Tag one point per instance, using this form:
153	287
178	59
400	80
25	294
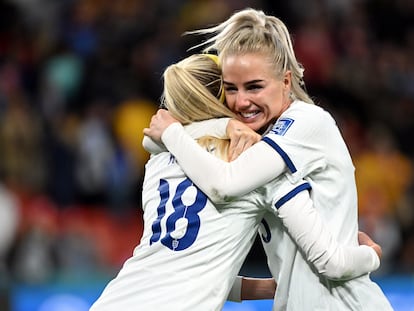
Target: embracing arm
212	127
152	146
331	259
219	179
247	288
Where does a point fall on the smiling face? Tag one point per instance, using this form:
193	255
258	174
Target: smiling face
253	90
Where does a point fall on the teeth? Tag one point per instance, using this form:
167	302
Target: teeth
248	114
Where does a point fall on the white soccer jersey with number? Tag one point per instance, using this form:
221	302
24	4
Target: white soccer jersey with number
312	147
190	251
304	143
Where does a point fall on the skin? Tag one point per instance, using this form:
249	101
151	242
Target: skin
253	91
364	239
257	97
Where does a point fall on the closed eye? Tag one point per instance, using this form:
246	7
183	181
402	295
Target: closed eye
230	88
252	87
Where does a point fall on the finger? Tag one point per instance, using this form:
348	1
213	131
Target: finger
377	249
247	144
242	144
238	150
233	149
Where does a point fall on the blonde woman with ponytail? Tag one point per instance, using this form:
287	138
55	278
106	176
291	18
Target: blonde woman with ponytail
191	249
264	88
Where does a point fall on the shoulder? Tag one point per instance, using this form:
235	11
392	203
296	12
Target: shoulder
305	109
212	127
304	116
195	127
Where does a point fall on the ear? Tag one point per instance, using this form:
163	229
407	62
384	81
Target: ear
287	80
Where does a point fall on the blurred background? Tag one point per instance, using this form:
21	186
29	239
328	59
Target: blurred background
80	79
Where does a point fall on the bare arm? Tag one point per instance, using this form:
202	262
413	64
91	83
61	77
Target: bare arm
254	288
246	288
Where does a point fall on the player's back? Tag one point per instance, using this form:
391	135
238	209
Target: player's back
190	251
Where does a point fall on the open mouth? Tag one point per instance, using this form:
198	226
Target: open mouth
249	115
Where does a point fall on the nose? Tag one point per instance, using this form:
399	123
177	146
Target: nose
242	101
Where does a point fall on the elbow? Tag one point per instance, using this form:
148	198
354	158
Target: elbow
215	196
152	146
335	271
218	194
336	275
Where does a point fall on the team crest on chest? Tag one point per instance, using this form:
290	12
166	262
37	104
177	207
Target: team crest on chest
281	126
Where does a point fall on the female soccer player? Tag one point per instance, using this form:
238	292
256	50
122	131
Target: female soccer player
192	250
264	88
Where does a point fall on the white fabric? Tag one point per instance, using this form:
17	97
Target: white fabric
9	220
235	292
312	148
309	232
216	128
222	180
190	262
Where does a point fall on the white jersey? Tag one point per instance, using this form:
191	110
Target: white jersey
190	251
304	143
312	147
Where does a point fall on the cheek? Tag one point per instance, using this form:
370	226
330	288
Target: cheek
274	109
230	102
274	104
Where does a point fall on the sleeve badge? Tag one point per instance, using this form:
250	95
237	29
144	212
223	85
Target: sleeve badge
281	126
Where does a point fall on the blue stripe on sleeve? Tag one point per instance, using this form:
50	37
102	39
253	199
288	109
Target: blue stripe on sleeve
291	194
283	154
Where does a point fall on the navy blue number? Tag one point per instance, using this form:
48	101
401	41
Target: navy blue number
164	190
189	213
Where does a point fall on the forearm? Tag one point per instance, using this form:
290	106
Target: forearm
255	288
245	288
310	233
219	179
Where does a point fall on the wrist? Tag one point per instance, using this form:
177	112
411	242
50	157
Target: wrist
169	131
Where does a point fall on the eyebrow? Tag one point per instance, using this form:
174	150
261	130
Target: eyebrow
246	83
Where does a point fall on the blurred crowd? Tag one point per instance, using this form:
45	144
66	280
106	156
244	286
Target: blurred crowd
80	79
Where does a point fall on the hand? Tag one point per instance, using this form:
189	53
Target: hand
159	122
364	239
241	137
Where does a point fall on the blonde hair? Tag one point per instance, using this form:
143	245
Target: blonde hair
217	146
193	91
252	31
